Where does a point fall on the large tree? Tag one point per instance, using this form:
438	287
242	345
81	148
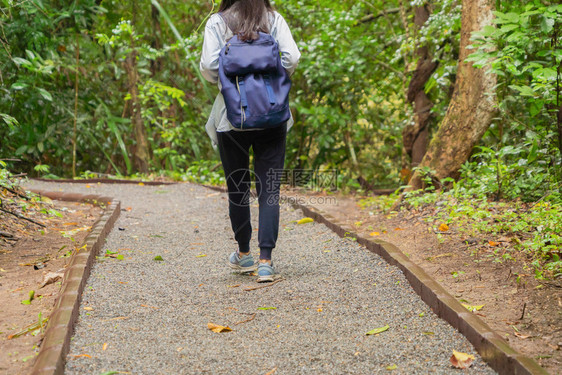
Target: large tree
472	106
415	136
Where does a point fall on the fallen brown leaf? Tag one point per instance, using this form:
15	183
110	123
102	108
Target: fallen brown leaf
461	360
218	329
152	307
83	355
51	278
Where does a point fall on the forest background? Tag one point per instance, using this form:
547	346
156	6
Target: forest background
460	100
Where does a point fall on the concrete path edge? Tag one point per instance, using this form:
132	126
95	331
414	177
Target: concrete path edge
493	348
56	342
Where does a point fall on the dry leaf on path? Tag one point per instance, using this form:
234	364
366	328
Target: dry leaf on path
83	355
218	329
443	227
373	234
378	330
51	278
461	360
305	220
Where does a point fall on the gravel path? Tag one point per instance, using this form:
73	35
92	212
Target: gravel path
141	316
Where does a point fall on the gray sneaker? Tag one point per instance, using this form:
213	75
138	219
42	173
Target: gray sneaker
242	264
266	272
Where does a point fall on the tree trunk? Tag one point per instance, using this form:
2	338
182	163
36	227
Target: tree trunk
75	127
472	106
156	64
141	154
415	138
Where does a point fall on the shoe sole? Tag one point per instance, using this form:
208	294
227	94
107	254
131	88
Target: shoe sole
243	269
265	279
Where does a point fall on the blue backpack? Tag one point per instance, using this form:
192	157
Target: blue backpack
255	86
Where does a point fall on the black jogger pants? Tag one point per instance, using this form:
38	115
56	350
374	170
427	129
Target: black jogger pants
269	157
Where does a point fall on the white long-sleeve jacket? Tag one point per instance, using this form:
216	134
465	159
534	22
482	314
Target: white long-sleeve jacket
216	35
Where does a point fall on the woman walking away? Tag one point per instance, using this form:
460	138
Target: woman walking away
246	21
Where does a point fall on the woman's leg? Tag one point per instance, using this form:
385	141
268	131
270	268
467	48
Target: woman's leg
234	152
269	160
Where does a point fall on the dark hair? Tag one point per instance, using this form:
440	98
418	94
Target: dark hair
246	17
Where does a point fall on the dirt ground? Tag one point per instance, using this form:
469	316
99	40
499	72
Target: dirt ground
526	312
25	259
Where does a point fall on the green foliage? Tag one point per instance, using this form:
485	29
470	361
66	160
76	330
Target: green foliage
347	111
348	95
4	174
532	228
522	156
208	172
38	63
523	171
523	50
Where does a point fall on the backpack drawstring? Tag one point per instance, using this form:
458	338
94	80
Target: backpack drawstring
242	112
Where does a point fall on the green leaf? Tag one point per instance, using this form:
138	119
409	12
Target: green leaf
547	24
19	86
523	90
391	367
9	120
509	27
546	73
378	330
21	61
267	308
158	258
112	124
536	107
28	301
513	17
45	94
472	308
